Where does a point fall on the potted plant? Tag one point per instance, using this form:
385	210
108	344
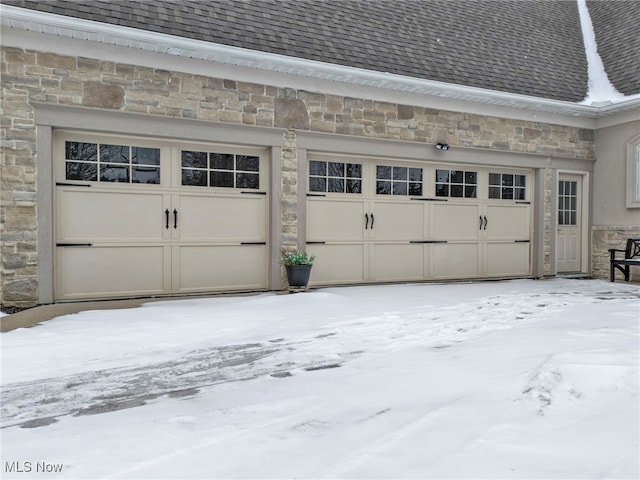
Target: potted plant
298	266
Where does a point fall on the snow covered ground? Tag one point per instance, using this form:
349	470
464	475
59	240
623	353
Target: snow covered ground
514	379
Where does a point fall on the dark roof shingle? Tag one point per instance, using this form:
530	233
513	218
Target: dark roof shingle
525	47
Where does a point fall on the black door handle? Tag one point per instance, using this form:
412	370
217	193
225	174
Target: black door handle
166	218
366	221
372	220
175	218
485	222
480	222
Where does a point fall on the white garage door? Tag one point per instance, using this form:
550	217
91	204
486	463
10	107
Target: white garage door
137	217
371	220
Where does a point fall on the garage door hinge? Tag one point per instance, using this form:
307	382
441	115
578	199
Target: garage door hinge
253	243
316	243
316	195
63	184
74	244
430	199
523	203
521	241
427	241
253	193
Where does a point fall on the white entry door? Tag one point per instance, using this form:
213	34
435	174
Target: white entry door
569	235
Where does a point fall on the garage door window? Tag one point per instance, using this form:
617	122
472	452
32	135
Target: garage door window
393	180
507	186
227	170
96	162
335	177
456	183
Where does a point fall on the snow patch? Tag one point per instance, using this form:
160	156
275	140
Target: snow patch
600	90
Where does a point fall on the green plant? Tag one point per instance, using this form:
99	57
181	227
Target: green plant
297	258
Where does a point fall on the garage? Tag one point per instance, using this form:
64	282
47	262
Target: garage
382	220
140	217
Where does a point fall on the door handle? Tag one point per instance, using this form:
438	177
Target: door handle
480	228
372	220
485	222
366	221
166	219
175	218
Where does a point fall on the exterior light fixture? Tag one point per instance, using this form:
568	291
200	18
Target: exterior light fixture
442	146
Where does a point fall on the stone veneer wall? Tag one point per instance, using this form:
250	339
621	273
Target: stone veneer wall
604	238
32	76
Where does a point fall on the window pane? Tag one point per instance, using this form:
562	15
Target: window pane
442	190
317	184
247	163
494	192
521	180
247	180
573	218
415	174
470	191
574	188
194	159
456	190
457	176
81	151
470	177
507	193
494	179
399	188
442	176
573	203
114	154
354	186
519	194
82	171
399	173
194	177
354	170
383	188
145	156
507	180
383	172
415	189
560	218
336	184
336	169
222	179
149	175
317	168
114	173
222	161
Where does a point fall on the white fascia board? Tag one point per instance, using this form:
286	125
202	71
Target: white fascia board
309	72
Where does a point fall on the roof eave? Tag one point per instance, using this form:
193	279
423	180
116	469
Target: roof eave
75	28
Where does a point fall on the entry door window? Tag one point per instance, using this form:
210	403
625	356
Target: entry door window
567	203
335	177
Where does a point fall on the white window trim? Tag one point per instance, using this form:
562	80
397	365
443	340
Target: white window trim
633	173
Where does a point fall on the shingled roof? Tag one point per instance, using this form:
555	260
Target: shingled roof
526	47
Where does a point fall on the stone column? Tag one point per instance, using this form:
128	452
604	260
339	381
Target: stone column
548	218
289	218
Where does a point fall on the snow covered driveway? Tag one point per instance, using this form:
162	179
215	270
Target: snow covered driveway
514	379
